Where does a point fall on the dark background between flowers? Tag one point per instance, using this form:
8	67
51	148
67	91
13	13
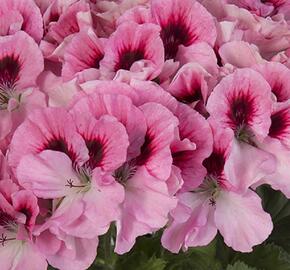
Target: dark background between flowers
148	254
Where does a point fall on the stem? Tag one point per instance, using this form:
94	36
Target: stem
108	249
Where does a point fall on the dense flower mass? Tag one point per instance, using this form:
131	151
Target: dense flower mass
143	115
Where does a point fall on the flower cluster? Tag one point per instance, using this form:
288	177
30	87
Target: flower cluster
145	114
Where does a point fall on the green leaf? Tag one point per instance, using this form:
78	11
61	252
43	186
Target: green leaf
240	266
278	206
267	257
274	202
202	258
153	264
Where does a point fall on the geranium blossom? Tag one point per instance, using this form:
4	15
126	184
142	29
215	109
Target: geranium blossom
119	119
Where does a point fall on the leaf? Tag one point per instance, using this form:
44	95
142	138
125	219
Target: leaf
240	266
153	264
201	258
267	257
278	206
274	202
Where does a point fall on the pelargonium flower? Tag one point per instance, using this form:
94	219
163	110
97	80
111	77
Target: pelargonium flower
182	23
218	205
151	130
133	50
62	20
242	101
57	163
16	15
189	85
18	211
277	76
84	66
278	144
19	69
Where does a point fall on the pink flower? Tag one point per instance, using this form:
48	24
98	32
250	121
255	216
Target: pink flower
278	144
18	212
151	130
78	64
218	205
16	15
63	19
59	163
66	252
242	101
133	51
277	76
182	23
19	69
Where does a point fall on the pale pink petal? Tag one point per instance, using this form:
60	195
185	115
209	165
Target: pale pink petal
145	209
47	129
20	65
68	23
75	60
60	94
133	49
191	224
277	75
189	84
120	107
46	174
29	11
240	54
241	220
182	23
242	170
155	152
25	202
106	140
242	101
137	14
21	255
279	180
194	127
79	255
201	53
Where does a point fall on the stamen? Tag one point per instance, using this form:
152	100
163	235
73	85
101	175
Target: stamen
4	239
212	202
71	185
125	172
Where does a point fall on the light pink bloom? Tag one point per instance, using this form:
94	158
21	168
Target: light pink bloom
277	75
278	144
82	65
133	51
151	130
182	23
18	211
67	252
58	163
240	54
217	205
108	12
59	93
190	84
19	69
242	101
62	20
256	7
200	53
16	15
139	14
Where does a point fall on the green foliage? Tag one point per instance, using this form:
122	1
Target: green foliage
148	254
239	266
